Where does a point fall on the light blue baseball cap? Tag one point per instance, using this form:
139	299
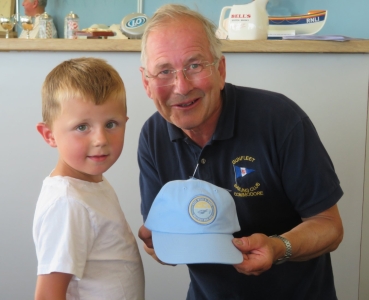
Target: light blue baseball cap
192	221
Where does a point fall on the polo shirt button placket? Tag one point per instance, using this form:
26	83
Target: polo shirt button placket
203	161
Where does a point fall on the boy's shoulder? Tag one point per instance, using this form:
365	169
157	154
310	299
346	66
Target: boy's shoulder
71	186
64	189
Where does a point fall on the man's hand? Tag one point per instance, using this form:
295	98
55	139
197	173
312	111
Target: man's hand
313	237
145	235
259	252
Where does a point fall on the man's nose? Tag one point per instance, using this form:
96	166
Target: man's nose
181	84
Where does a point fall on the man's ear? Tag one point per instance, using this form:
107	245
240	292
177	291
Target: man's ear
47	134
145	82
35	3
222	71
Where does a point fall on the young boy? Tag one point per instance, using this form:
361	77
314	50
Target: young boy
85	248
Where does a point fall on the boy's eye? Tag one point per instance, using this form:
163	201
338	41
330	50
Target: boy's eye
82	128
111	125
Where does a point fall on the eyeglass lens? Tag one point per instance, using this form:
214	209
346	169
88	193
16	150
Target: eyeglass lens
192	72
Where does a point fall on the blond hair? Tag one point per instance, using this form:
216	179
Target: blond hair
176	12
90	79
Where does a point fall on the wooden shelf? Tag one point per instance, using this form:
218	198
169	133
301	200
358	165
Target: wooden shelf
134	45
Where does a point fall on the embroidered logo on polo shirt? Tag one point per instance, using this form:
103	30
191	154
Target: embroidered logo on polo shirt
240	171
202	210
245	183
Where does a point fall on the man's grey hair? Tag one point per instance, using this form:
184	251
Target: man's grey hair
41	3
176	11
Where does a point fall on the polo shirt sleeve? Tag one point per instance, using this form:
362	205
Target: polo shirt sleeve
308	174
63	238
150	183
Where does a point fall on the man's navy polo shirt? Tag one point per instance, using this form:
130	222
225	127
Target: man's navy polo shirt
266	151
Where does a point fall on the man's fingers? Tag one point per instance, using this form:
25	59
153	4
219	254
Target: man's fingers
152	253
145	235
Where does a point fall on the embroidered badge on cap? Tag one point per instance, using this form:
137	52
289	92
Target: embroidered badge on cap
202	210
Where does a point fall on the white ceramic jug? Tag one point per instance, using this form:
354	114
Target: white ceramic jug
246	22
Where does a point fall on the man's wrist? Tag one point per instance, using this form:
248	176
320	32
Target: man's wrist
288	252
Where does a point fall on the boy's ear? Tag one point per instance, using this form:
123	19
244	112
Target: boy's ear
46	133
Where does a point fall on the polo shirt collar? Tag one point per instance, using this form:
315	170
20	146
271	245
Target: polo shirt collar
225	126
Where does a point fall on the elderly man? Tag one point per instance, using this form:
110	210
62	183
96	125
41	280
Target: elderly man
258	144
35	8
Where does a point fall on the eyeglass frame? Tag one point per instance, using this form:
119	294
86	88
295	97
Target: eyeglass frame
175	71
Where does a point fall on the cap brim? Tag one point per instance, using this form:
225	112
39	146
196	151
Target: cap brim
173	248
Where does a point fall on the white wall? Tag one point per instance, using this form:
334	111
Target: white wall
332	89
364	258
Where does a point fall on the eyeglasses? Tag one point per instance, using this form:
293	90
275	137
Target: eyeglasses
193	71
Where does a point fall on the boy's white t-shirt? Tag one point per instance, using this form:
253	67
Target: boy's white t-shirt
79	228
